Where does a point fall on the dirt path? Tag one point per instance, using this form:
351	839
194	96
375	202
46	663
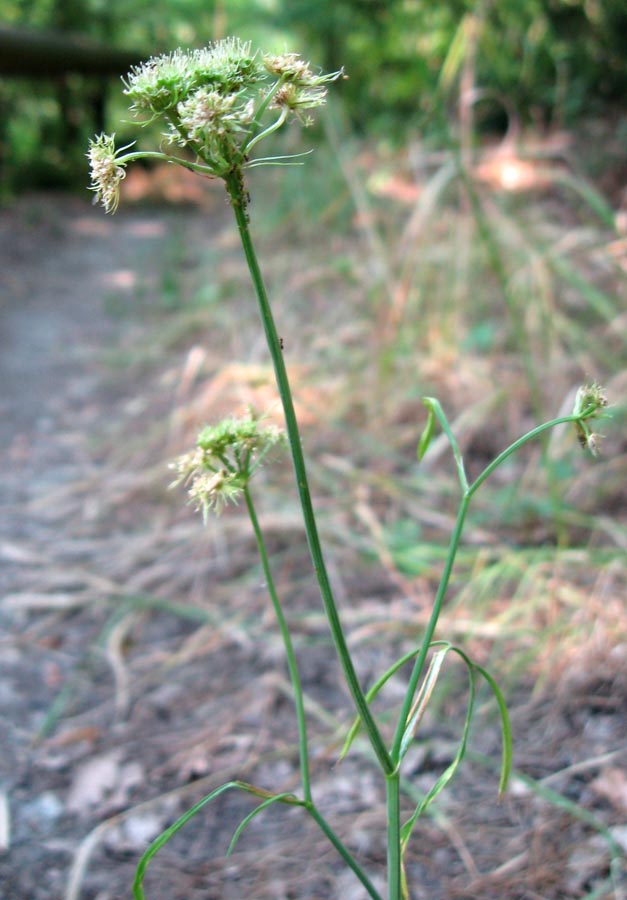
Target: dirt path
65	269
61	262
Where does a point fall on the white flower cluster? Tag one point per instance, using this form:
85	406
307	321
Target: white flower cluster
226	456
214	102
590	403
106	172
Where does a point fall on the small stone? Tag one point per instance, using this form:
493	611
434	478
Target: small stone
46	807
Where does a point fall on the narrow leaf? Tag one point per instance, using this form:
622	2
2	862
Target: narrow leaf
434	405
422	699
372	693
427	434
165	836
276	798
450	771
506	730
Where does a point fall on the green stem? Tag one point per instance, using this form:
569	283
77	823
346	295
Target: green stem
344	852
268	131
164	157
430	631
448	568
235	190
289	648
546	426
256	122
392	787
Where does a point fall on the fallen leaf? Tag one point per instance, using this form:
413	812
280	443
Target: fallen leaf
93	780
89	733
612	784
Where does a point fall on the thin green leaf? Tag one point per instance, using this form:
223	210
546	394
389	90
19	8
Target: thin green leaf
277	160
600	301
422	699
432	404
256	164
165	836
506	730
353	731
372	693
277	798
427	434
456	54
450	771
595	200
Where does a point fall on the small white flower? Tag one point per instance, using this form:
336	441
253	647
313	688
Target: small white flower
213	490
289	66
106	172
297	99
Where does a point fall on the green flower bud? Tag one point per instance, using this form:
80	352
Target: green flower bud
289	67
590	403
160	84
297	99
224	460
212	491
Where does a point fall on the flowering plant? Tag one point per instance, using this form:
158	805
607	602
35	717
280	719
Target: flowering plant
217	104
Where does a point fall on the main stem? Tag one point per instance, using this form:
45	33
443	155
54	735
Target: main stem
393	798
236	191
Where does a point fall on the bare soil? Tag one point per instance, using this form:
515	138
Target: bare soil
140	665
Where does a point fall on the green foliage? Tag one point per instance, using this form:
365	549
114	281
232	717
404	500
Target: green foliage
42	131
534	59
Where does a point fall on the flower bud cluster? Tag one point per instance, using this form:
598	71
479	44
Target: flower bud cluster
296	100
213	121
214	102
300	88
590	403
160	84
106	173
226	455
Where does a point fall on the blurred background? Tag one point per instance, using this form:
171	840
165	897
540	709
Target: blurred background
459	231
546	63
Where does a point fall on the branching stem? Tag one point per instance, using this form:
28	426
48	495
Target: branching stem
448	568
